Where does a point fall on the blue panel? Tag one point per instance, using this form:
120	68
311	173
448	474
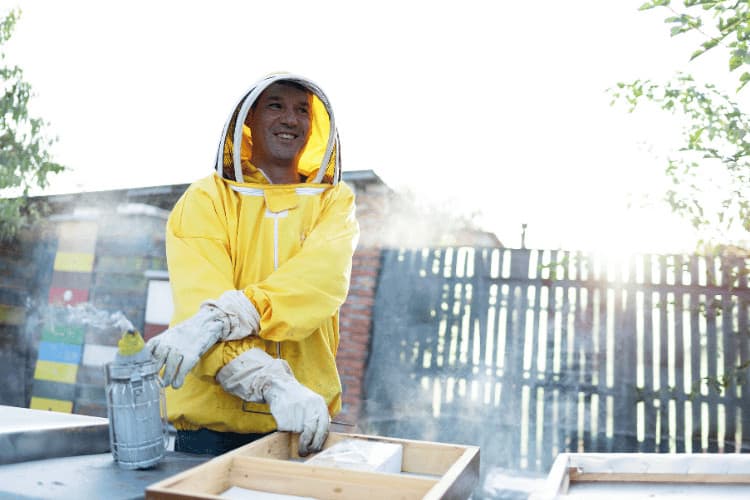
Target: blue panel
60	352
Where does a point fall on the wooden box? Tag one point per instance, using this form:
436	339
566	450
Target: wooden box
429	470
647	475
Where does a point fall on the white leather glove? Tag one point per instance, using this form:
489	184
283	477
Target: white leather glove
179	348
256	377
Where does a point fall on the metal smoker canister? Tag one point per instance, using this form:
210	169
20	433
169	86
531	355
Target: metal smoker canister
136	406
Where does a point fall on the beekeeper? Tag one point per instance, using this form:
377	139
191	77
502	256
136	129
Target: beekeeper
259	256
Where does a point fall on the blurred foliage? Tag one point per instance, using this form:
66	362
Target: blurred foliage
714	157
723	23
709	173
25	161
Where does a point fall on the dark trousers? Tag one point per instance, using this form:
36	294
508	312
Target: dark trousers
208	442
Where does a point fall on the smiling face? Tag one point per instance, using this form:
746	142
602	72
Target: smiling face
280	125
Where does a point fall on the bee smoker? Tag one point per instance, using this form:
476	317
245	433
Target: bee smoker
136	407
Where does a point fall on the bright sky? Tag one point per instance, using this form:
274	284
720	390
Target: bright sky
496	108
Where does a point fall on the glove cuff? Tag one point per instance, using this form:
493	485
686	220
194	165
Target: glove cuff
252	375
241	317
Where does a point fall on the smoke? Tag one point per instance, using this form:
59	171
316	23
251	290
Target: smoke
87	314
408	221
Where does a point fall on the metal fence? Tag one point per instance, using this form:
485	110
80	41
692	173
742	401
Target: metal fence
529	353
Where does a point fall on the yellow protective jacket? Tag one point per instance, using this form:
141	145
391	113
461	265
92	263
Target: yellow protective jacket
287	246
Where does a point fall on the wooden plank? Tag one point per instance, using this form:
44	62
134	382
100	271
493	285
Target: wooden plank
663	360
585	352
518	315
712	308
744	353
602	356
576	424
557	480
460	480
533	338
501	327
203	481
280	446
510	397
550	444
324	483
660	478
566	406
624	407
455	295
729	350
680	387
479	309
659	467
649	383
428	288
696	299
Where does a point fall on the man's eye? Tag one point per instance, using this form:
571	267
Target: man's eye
304	111
274	105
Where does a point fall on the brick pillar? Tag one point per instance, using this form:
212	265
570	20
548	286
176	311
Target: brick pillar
355	329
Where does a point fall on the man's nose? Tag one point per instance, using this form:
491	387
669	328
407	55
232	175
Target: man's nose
289	118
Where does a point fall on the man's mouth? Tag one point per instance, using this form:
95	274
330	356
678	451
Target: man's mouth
286	136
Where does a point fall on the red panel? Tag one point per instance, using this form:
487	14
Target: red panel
151	330
67	296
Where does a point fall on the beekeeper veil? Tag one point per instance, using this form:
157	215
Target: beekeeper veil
319	161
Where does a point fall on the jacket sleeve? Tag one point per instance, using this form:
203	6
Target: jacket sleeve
309	288
199	264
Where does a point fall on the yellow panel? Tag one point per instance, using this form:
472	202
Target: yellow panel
77	236
76	262
12	315
51	404
58	372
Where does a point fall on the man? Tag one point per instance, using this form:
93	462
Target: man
259	258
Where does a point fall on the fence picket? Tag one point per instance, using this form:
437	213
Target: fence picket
680	355
712	362
729	352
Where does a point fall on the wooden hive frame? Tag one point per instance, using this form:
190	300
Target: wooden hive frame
430	471
655	469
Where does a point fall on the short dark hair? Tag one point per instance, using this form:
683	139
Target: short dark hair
286	83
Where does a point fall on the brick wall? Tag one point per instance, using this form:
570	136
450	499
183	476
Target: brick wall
355	328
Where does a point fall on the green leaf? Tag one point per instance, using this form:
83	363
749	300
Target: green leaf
676	30
735	62
710	43
654	3
744	78
697	53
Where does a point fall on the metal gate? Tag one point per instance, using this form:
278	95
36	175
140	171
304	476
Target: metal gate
528	353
